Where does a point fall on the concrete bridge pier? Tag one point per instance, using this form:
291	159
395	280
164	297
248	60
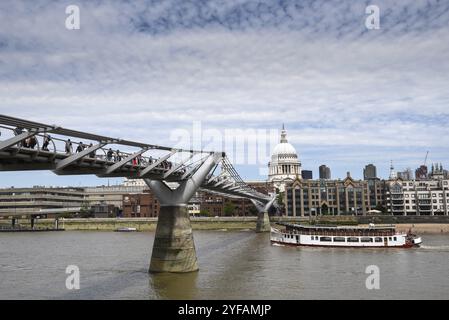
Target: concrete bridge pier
263	222
174	247
263	219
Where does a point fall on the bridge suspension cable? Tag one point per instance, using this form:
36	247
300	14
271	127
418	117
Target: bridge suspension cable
229	180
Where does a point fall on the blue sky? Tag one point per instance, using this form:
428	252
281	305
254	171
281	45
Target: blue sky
140	69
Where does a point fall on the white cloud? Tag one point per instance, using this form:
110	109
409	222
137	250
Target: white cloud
333	83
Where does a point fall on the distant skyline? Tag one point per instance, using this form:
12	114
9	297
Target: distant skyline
348	96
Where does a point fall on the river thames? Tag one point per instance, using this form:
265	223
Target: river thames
233	265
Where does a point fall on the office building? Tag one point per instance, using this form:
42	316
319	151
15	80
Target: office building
307	174
331	197
370	172
417	197
324	172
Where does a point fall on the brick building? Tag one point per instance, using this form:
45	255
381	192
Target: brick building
138	205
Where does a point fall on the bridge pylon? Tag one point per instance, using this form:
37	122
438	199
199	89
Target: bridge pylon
263	219
174	247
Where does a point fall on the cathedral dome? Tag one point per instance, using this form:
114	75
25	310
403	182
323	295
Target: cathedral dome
284	165
284	150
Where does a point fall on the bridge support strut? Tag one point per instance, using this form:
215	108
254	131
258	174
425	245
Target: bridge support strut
174	247
263	220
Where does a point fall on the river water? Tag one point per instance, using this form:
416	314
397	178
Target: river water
233	265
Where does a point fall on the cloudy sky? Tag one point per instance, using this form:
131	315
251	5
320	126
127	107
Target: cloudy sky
141	69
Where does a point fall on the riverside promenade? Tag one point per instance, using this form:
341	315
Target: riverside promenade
419	224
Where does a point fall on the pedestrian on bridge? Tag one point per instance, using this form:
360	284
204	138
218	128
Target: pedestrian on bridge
19	131
93	154
118	157
47	140
68	147
80	147
110	154
31	142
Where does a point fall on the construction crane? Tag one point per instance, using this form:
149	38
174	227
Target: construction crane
425	159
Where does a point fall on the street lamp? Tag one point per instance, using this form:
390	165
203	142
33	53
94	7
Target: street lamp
15	207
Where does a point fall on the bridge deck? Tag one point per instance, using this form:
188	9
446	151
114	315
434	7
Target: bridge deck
25	150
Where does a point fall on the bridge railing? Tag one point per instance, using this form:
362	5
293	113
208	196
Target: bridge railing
31	143
57	145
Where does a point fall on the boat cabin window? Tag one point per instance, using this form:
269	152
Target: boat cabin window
353	239
385	239
339	239
394	238
325	239
389	238
366	240
378	240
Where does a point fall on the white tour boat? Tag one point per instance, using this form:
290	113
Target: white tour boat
343	236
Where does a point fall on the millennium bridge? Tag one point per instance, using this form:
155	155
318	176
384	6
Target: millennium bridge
174	175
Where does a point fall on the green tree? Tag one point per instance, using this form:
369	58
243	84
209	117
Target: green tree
85	211
253	211
229	209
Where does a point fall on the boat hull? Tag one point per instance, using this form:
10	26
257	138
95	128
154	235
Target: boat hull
338	246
